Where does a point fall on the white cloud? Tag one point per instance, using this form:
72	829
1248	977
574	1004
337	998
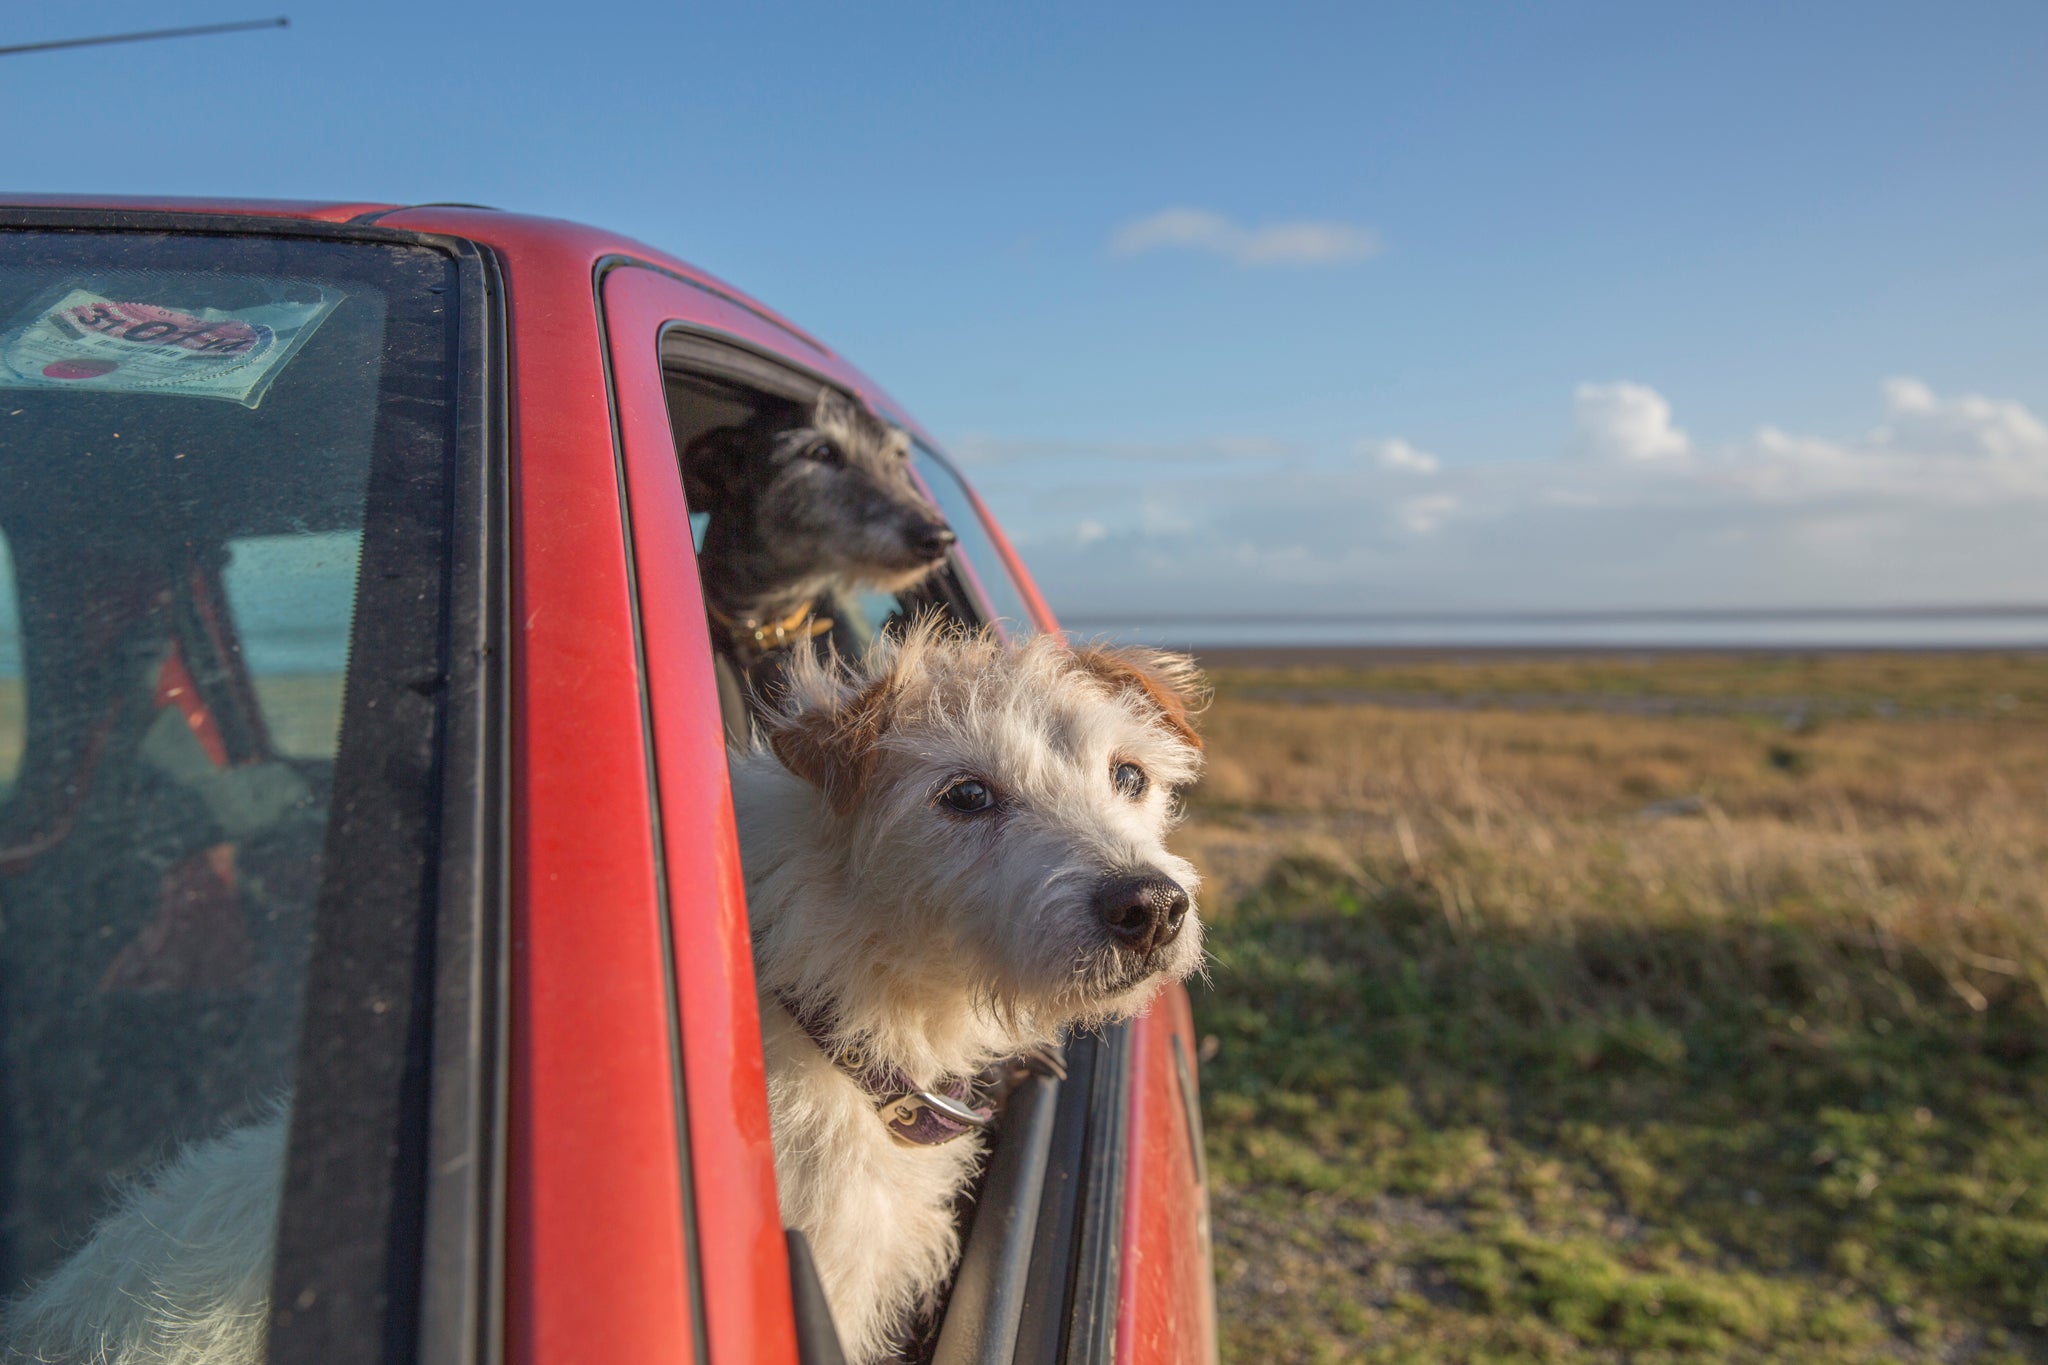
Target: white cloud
1972	424
1302	242
1088	532
1939	498
1626	421
1964	450
1398	454
1423	515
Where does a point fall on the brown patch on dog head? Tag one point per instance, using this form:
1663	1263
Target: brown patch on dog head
1170	682
835	749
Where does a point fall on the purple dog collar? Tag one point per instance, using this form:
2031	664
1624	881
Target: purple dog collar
913	1115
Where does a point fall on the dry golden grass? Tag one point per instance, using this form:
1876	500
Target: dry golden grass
1591	953
1938	829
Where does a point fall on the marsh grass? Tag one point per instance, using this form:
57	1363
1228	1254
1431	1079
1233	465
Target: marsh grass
1568	1035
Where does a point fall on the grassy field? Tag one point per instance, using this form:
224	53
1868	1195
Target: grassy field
1628	1008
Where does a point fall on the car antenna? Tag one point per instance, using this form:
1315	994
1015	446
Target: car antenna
281	21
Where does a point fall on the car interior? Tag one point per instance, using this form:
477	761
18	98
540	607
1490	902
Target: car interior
160	842
177	592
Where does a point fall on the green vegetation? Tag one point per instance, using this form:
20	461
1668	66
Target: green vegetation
1506	1070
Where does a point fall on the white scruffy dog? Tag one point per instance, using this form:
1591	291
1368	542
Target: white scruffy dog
953	854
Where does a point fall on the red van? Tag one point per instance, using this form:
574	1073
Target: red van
360	738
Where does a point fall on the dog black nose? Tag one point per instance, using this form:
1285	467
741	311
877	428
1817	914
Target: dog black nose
932	539
1144	912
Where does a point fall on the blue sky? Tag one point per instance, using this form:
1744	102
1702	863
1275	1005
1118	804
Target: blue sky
1351	307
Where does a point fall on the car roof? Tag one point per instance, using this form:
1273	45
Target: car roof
340	211
516	232
524	227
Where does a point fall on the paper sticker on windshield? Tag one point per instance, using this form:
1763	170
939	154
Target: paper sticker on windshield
86	341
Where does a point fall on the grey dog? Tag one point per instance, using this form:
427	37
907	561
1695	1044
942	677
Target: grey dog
800	510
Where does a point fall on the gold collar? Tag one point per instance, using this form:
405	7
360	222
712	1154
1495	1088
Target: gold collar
752	638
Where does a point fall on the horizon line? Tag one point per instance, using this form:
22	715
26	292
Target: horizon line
1561	616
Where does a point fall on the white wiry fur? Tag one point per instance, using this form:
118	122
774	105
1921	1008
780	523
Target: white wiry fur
940	943
177	1274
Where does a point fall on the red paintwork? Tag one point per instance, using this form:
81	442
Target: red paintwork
1167	1310
478	225
596	1253
744	1261
597	1246
171	203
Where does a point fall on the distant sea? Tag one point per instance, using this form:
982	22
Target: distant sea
1966	627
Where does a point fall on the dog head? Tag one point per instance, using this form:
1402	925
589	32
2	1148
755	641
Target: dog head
997	820
831	500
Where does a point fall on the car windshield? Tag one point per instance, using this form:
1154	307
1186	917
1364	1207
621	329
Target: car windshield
191	429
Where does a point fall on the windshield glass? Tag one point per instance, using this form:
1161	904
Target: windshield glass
189	427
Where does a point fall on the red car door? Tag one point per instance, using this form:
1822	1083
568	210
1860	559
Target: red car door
739	1249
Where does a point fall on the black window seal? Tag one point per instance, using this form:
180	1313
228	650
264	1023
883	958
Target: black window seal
985	1308
1074	1281
461	1320
224	225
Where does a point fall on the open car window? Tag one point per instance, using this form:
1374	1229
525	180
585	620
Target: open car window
224	471
726	405
1042	1229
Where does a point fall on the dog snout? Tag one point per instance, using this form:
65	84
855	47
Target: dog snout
931	539
1143	912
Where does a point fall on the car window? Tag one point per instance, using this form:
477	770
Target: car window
188	428
981	565
800	551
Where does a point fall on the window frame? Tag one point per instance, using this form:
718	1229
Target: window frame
1040	1274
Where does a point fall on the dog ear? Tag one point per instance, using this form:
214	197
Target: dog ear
835	412
834	748
846	419
1171	683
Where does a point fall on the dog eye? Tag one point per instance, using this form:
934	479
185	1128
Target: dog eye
968	796
1131	780
824	452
